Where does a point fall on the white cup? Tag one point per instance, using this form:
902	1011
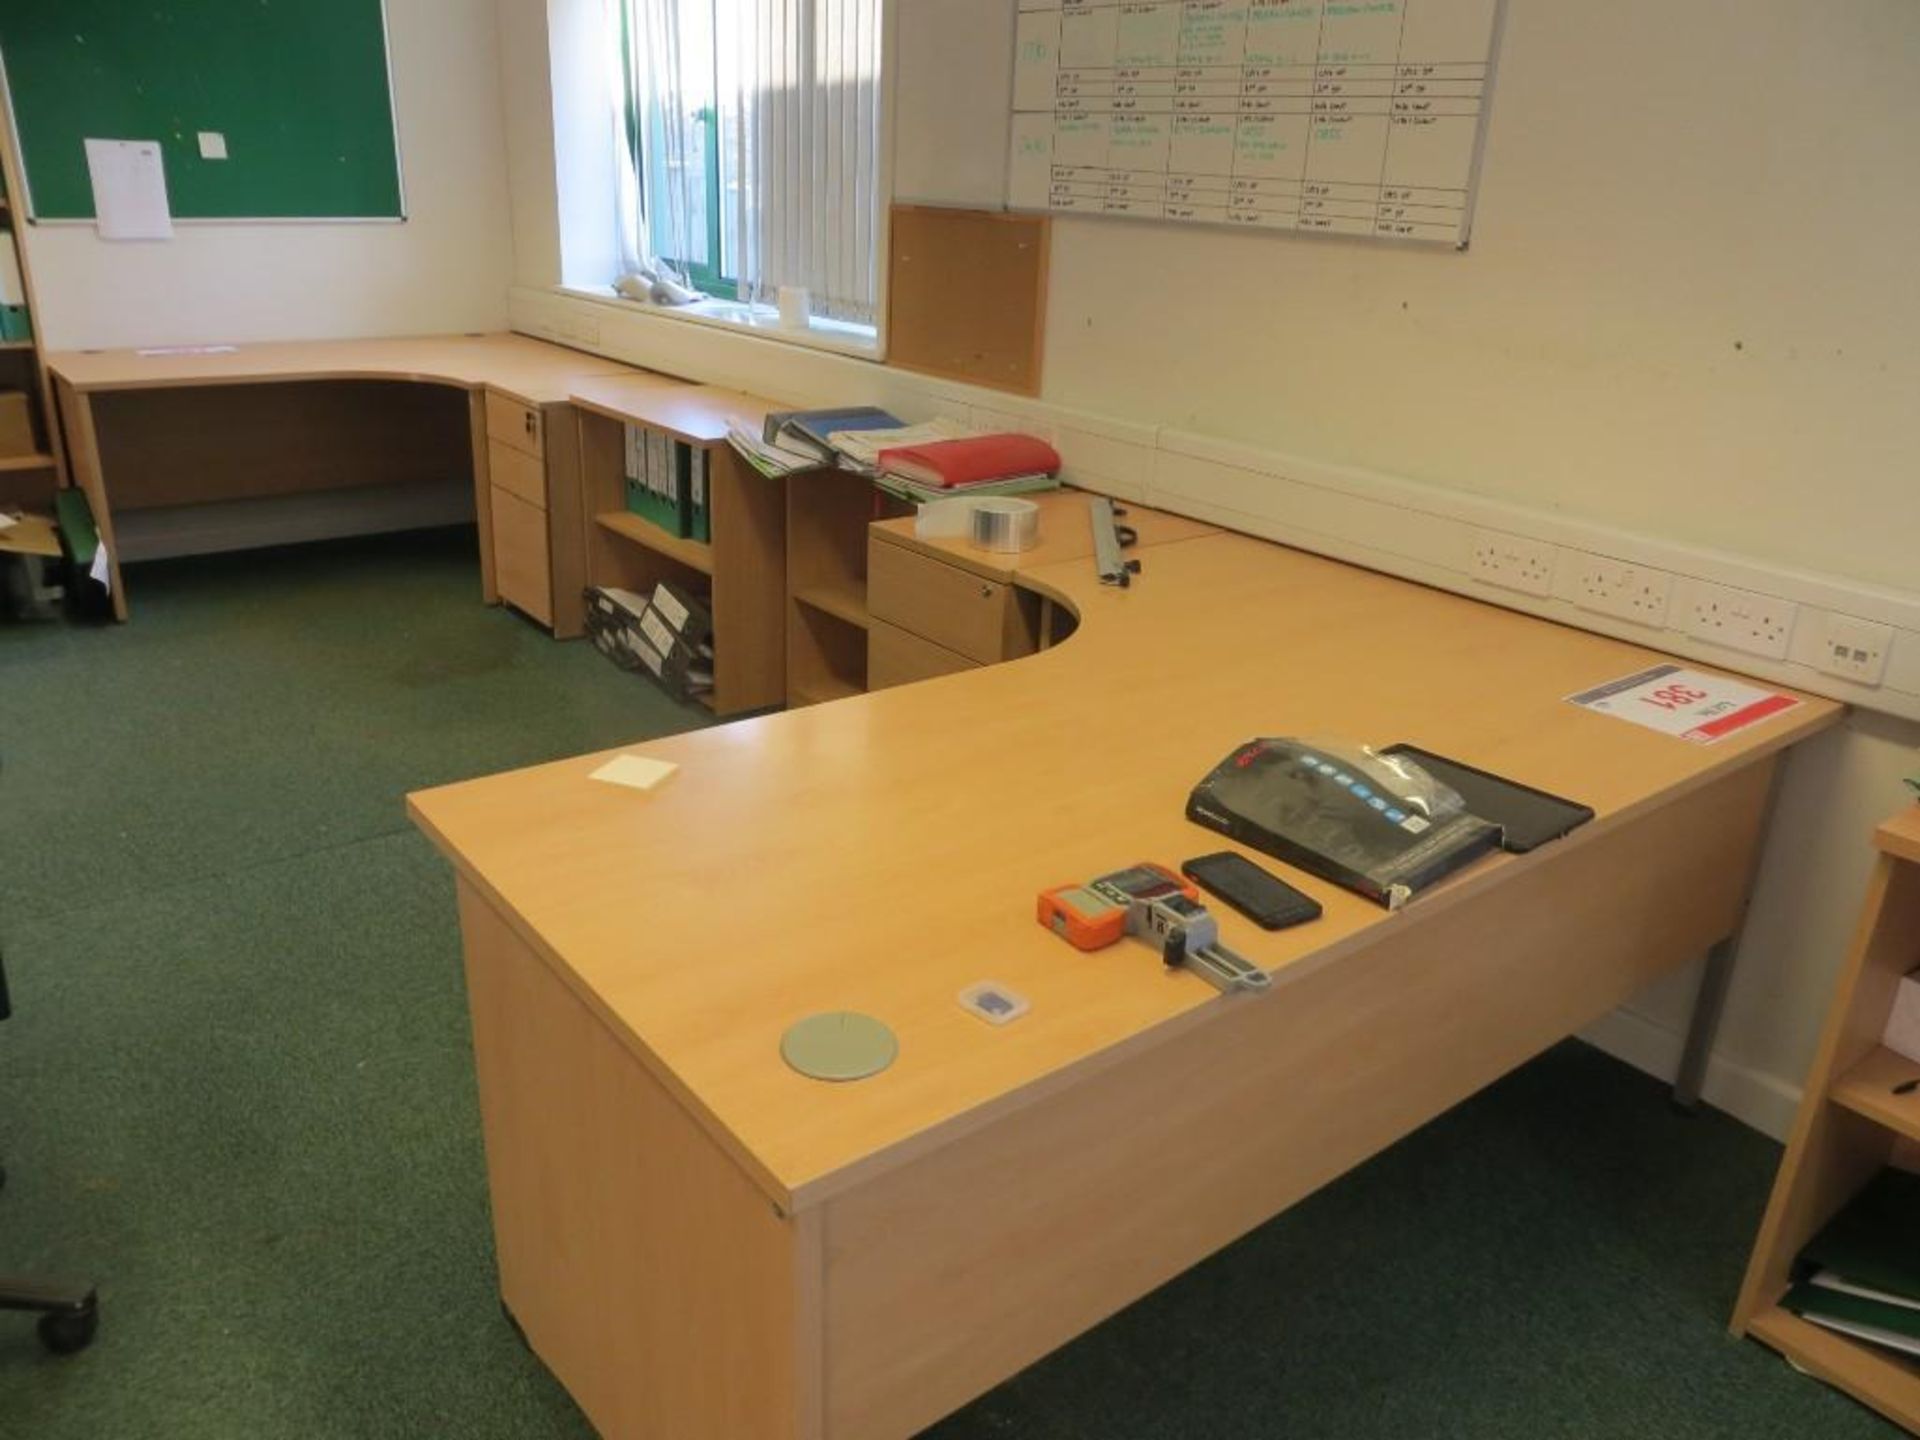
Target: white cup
796	307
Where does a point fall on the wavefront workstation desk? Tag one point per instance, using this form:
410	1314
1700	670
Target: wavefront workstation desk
703	1244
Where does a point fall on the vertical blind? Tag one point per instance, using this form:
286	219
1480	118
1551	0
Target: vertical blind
751	147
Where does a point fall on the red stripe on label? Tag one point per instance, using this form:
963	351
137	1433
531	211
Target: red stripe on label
1740	719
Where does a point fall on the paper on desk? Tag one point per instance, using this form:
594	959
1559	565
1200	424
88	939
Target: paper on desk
129	190
189	350
635	771
7	522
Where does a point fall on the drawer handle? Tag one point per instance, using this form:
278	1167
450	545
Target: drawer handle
986	592
528	417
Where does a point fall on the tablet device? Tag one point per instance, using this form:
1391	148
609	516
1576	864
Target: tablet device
1527	817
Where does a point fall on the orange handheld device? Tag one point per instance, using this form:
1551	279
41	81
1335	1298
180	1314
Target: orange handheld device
1160	907
1094	915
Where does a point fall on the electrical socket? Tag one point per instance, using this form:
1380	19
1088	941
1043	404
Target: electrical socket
1513	562
1854	649
1625	591
1740	619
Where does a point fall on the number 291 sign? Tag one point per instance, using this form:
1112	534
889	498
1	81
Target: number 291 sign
1688	703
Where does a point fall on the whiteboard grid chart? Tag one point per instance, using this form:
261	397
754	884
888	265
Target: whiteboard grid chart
1353	117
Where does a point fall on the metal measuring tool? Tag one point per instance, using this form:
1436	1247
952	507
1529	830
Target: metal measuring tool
1151	902
1109	539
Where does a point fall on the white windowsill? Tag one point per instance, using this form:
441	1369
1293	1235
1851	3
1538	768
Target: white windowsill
860	341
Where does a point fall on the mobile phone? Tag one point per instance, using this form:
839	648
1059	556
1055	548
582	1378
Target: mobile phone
1265	899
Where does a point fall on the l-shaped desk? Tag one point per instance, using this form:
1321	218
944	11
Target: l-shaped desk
534	429
190	424
703	1245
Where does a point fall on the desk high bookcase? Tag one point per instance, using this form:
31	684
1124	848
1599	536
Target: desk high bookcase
1851	1124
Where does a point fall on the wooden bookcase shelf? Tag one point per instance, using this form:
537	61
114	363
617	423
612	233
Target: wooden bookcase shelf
1873	1376
827	620
694	554
1867	1089
27	480
848	604
740	575
827	688
1851	1126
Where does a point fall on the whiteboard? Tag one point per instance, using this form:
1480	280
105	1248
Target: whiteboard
1355	117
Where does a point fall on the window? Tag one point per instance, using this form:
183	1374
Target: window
750	148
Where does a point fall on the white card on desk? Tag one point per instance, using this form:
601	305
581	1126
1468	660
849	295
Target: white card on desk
1688	703
636	772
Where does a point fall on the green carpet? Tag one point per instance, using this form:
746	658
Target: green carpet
238	1090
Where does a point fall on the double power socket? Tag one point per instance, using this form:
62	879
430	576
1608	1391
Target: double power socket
1744	620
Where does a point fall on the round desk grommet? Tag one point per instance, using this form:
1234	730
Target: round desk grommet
839	1045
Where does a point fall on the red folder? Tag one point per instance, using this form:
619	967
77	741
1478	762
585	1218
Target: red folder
976	460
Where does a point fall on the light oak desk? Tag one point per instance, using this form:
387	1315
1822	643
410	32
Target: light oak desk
703	1245
939	606
273	419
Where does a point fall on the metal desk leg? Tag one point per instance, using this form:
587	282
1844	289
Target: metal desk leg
1717	978
1708	1004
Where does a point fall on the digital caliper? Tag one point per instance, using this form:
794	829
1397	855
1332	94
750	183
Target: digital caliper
1159	907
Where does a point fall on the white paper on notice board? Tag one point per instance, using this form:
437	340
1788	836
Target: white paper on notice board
129	190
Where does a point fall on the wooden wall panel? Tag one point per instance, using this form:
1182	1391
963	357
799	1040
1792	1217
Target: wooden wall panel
967	295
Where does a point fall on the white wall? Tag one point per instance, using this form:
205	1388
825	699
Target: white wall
1689	306
446	268
526	92
1688	311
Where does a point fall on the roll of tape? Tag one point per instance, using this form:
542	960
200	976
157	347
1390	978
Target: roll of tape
1005	525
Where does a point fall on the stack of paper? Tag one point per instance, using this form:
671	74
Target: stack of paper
860	449
919	494
807	432
851	439
1861	1274
770	460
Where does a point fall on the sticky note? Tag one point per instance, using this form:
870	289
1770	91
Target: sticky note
636	772
213	145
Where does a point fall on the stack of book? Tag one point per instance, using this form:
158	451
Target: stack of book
932	461
974	465
668	635
795	440
1860	1276
667	483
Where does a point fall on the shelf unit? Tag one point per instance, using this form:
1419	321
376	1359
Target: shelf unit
740	574
827	621
1851	1125
694	554
27	480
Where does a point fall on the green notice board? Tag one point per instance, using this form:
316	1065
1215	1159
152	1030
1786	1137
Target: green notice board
299	90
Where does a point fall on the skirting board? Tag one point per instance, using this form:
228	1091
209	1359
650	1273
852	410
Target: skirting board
168	531
1401	527
1754	1098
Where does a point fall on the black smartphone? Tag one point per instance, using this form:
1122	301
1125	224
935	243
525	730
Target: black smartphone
1265	899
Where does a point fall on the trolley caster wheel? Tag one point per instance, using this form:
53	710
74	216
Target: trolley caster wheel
66	1332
